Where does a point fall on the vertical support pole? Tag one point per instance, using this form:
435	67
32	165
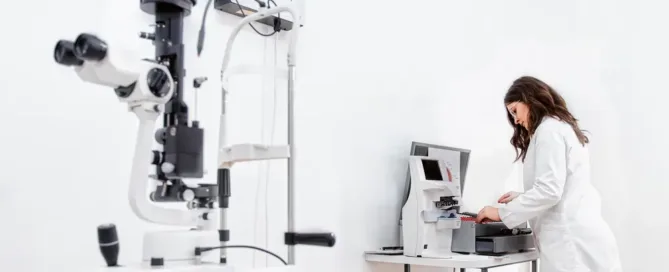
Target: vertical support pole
223	181
291	160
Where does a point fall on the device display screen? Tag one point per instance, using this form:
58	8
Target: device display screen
431	169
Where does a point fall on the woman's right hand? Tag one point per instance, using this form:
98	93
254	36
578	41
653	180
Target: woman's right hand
506	198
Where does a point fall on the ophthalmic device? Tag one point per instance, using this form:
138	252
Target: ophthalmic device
153	88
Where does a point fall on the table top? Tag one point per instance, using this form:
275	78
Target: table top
204	267
456	260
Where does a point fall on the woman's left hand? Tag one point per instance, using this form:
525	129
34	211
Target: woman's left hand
488	214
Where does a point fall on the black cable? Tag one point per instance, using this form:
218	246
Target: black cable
199	250
200	36
277	23
244	15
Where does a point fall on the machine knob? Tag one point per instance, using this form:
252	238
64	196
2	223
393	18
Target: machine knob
167	167
188	195
148	36
158	82
109	245
160	135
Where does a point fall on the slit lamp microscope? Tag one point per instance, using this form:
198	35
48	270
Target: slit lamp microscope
153	88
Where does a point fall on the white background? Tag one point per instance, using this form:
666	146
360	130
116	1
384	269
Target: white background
372	77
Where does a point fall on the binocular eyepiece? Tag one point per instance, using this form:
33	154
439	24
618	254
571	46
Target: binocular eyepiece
85	47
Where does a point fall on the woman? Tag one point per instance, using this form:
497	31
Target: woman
560	203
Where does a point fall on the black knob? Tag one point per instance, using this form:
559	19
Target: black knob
64	54
161	135
148	36
158	81
109	245
90	47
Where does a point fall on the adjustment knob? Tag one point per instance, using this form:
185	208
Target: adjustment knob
148	36
158	82
161	135
109	246
167	167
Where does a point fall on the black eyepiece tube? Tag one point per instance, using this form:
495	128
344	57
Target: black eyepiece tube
90	47
63	54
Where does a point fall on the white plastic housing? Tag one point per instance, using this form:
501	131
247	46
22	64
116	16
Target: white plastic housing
424	222
138	193
177	246
252	152
117	70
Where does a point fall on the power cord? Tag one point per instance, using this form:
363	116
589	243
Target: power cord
200	36
271	143
200	250
267	165
260	182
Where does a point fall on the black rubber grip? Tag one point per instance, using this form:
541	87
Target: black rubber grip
313	239
224	235
223	177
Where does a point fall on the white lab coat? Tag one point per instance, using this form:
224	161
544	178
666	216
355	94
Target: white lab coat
561	205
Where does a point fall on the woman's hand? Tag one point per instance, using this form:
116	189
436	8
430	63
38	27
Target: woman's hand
488	214
506	198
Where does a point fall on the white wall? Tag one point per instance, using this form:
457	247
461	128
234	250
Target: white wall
368	84
62	175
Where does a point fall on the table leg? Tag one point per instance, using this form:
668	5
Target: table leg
534	266
407	268
463	270
484	269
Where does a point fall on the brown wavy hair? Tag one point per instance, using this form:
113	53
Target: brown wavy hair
542	101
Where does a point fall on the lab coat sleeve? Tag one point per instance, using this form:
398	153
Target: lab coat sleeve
550	175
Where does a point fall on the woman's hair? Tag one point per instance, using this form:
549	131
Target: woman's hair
542	101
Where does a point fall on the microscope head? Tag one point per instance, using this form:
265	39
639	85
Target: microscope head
135	81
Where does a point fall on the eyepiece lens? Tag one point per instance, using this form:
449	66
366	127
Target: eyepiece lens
90	47
64	54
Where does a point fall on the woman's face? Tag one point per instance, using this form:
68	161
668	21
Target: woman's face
520	113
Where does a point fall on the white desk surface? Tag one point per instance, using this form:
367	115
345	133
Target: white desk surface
205	267
456	261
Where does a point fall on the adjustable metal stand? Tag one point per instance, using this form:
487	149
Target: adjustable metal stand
291	238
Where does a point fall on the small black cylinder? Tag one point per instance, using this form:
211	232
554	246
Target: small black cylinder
223	177
90	47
